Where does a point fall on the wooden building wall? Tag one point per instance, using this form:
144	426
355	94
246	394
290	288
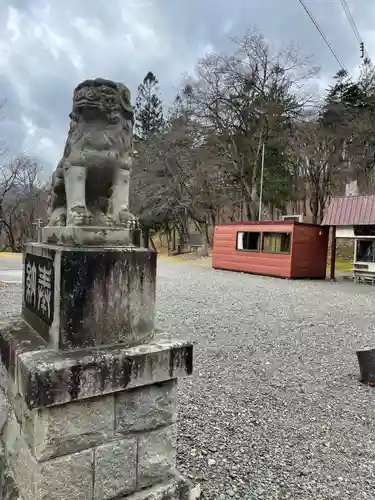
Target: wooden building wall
306	258
226	256
309	252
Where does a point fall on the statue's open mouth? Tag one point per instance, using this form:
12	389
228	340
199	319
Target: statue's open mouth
85	103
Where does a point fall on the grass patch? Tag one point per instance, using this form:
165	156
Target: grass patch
342	266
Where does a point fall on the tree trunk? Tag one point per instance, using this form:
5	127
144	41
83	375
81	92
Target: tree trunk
294	206
168	235
321	212
206	241
180	237
10	237
249	212
174	239
314	206
184	237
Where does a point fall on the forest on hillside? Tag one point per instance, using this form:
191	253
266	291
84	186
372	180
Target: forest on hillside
198	162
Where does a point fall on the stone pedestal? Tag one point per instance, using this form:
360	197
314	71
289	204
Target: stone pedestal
88	388
86	296
92	424
86	235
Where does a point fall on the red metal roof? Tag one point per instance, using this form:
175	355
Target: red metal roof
350	211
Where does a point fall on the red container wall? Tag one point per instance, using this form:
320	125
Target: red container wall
225	255
309	252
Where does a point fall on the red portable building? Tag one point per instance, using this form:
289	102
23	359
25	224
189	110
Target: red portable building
286	249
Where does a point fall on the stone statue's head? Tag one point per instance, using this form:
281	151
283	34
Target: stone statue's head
101	99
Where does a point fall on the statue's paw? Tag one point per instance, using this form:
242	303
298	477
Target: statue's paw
80	220
79	216
57	218
127	218
101	219
108	220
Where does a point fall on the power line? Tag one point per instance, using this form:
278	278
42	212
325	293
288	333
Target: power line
321	32
364	54
351	20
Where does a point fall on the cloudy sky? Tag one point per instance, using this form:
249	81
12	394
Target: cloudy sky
47	47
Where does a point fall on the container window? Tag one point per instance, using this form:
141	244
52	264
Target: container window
276	242
364	230
248	240
365	251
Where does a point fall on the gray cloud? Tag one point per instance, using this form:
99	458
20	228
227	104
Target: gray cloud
48	47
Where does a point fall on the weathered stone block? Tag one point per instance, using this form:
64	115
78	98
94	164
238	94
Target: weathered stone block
4	410
8	487
16	339
156	456
146	408
65	478
46	377
76	426
95	296
177	488
19	458
15	399
115	469
3	376
11	432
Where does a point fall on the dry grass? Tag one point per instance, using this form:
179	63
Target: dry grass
10	255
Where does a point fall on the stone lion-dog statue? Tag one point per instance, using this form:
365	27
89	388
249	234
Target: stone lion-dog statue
90	186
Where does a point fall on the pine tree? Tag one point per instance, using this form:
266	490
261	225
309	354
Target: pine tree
343	100
148	107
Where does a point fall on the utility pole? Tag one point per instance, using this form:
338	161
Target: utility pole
261	184
38	224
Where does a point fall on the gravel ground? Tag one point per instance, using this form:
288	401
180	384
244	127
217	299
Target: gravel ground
274	409
10	299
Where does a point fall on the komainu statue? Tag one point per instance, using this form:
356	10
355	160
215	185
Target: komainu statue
91	182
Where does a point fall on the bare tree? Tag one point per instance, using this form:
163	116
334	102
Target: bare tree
177	178
318	156
244	100
23	197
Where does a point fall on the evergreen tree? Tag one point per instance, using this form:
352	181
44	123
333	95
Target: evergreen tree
349	114
343	101
149	117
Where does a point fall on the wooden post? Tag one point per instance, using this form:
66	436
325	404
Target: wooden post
333	253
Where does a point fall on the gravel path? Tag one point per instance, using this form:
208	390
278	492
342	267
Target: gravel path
274	409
